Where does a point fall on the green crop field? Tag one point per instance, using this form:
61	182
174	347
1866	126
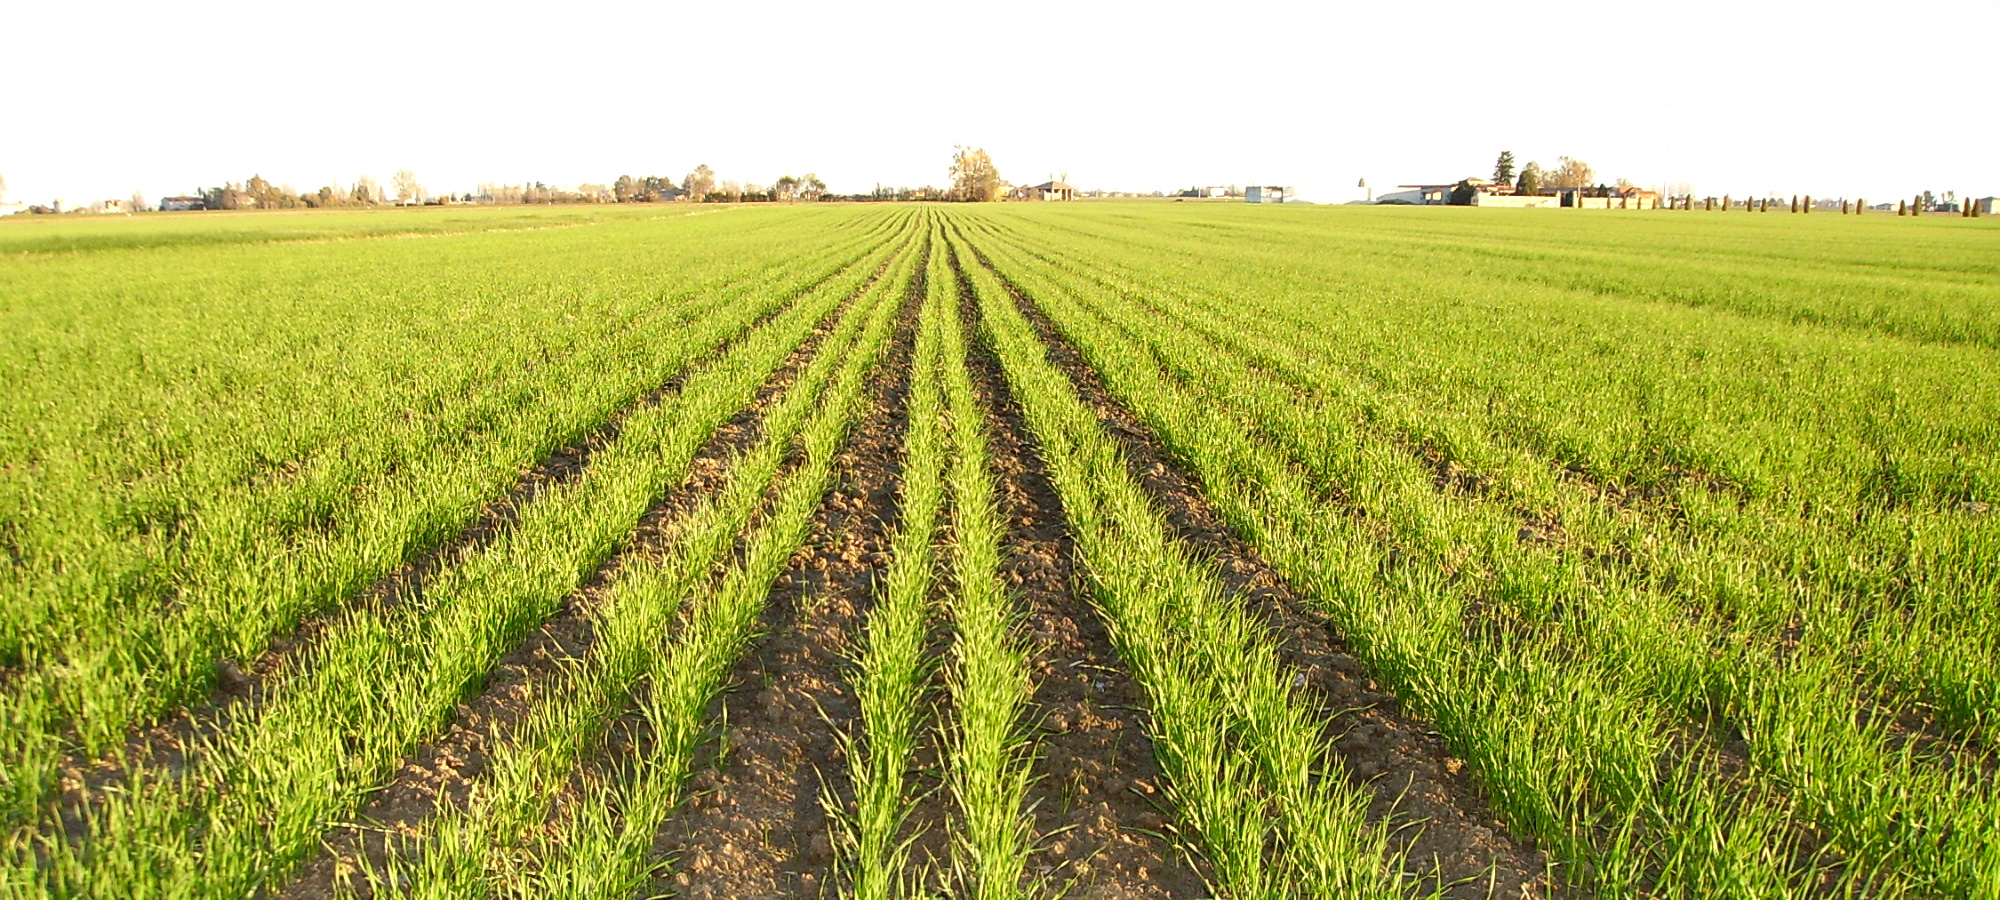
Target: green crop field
1015	550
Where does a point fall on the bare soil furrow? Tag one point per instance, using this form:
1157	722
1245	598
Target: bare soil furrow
1419	788
755	825
444	771
1104	823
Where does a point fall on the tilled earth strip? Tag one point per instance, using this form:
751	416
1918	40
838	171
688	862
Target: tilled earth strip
754	825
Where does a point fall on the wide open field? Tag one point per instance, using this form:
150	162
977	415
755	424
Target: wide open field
1092	550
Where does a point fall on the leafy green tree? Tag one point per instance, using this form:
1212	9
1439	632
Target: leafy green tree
1503	168
1531	180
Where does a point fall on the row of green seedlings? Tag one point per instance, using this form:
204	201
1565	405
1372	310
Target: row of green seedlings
1830	574
123	662
508	839
254	800
988	684
1934	656
1245	755
1849	556
1931	657
1875	804
1801	707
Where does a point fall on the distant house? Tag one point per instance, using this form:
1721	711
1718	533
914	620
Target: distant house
114	207
1984	206
1047	190
1421	194
1268	193
181	204
669	194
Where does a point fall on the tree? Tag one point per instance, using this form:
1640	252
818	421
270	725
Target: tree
1570	173
1503	168
787	188
973	176
1531	180
624	189
699	182
406	185
138	201
812	186
366	191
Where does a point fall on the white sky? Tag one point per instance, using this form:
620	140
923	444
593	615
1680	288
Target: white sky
1878	99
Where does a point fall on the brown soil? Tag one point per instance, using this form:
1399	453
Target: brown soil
444	770
1414	778
755	824
1103	822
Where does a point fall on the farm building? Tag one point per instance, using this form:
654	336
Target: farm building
179	204
1601	197
1433	194
1047	190
1268	193
1985	206
1480	192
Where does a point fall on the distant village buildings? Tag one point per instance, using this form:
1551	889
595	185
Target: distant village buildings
1481	192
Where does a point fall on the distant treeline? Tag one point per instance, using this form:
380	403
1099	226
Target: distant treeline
405	189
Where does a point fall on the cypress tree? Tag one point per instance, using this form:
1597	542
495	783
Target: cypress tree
1807	208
